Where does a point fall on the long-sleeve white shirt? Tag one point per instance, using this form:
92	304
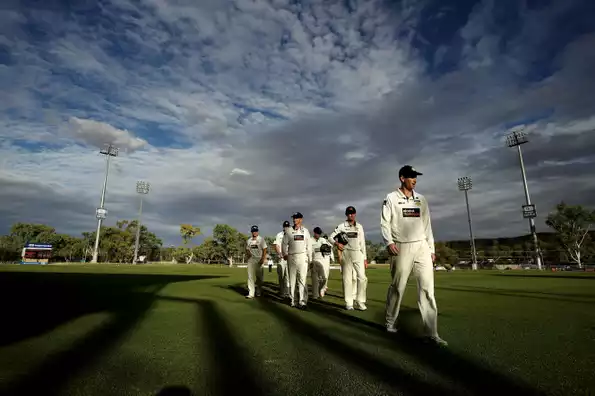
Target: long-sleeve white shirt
355	234
297	241
404	219
279	241
316	244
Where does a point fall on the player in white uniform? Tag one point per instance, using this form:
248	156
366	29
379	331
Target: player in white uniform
353	259
321	263
282	273
407	233
256	247
297	250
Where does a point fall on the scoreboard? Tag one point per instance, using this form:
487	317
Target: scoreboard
36	253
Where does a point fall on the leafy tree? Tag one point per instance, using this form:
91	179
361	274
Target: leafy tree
229	241
188	232
572	224
445	256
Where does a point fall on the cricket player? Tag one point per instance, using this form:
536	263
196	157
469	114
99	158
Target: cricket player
407	233
321	263
353	258
282	273
297	250
256	248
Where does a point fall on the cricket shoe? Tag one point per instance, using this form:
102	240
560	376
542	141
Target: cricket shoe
349	308
391	328
360	306
438	341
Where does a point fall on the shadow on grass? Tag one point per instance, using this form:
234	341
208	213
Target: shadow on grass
232	369
175	390
34	303
53	373
395	377
581	299
472	375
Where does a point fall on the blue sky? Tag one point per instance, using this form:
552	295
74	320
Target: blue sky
243	112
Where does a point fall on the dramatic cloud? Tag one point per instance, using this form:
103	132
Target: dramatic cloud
243	112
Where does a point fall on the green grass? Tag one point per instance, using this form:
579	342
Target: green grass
137	330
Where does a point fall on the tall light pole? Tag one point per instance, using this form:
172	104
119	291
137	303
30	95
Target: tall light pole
101	213
465	185
515	138
142	188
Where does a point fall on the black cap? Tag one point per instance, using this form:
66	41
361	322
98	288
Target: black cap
350	209
317	230
409	172
286	224
254	228
297	215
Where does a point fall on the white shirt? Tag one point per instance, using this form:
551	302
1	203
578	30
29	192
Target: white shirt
279	239
316	244
406	219
296	241
355	234
255	246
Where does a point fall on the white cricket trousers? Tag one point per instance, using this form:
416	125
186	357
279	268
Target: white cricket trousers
353	260
297	266
416	257
283	277
320	270
255	277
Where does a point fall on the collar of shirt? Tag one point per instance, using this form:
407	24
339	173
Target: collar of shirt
402	195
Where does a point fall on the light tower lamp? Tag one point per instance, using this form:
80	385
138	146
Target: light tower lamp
516	138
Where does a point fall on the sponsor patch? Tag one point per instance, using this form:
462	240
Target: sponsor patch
254	246
352	234
411	212
298	237
402	203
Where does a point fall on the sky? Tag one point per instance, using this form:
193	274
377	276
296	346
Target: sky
245	111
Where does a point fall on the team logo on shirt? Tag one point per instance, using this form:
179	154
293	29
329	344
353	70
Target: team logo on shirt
298	237
254	246
411	212
352	234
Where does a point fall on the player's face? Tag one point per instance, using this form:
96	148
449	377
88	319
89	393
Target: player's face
316	236
351	217
297	221
254	234
409	182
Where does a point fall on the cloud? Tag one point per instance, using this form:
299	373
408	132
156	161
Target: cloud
99	134
244	112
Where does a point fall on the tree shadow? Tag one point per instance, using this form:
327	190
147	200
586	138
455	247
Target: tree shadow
521	293
49	377
34	303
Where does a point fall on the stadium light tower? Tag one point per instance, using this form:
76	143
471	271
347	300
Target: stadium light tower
465	185
142	188
515	138
101	213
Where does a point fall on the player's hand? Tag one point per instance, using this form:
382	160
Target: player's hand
433	257
366	264
393	250
340	246
285	257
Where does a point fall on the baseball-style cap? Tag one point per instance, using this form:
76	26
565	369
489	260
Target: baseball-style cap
409	172
317	230
254	228
286	224
349	210
297	215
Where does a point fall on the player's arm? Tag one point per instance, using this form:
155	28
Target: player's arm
386	218
248	248
308	244
264	247
362	241
285	245
427	223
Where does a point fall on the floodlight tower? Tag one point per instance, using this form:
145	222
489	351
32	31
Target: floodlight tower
142	188
515	138
465	185
101	213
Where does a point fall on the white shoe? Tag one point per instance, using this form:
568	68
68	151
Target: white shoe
349	308
391	329
361	306
322	293
438	341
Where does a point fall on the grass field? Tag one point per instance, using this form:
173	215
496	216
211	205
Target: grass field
181	330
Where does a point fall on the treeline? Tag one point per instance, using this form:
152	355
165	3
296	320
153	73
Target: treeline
572	241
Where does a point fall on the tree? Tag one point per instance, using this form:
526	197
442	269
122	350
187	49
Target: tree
187	231
445	256
229	241
572	224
